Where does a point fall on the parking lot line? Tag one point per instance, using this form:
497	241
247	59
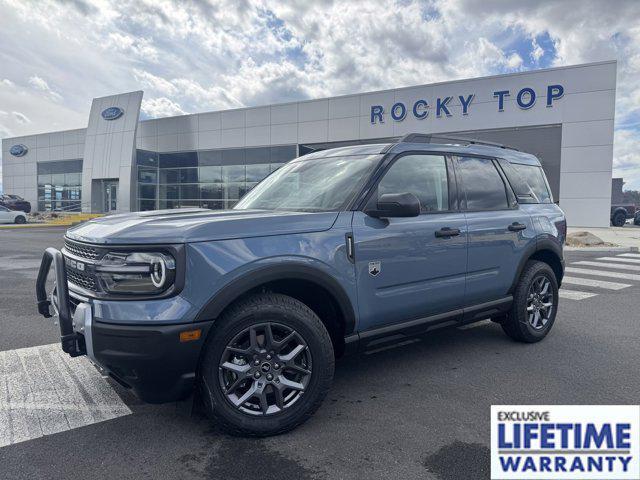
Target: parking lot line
575	295
603	273
617	259
590	282
619	266
44	391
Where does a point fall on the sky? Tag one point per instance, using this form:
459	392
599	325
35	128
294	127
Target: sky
203	55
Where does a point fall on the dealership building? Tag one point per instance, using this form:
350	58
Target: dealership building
565	116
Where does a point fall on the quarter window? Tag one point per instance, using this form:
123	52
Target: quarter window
423	175
482	184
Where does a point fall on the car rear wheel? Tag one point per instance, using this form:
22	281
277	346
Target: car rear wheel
20	219
267	367
619	219
535	304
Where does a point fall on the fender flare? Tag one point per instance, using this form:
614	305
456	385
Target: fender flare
540	245
254	278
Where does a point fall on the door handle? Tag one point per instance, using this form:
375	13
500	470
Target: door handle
447	232
516	227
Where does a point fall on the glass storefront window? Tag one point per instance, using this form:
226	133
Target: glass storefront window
169	192
255	173
189	192
210	174
188	175
147	191
169	175
213	179
210	191
60	185
233	173
146	175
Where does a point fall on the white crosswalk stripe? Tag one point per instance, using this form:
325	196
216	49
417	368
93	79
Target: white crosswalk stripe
603	273
630	255
578	273
623	260
574	294
619	266
44	391
590	282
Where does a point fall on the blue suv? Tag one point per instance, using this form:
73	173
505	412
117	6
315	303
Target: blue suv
337	251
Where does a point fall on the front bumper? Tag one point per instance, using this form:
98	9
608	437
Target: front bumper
150	359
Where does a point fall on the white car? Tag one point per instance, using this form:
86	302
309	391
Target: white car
12	216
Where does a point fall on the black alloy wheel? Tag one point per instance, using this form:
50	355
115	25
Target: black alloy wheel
535	304
267	366
540	306
265	369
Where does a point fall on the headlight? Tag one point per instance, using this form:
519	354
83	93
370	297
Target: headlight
136	273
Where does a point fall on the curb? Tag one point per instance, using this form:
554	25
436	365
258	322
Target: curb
601	249
32	225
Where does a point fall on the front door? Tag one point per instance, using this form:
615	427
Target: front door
110	197
409	268
499	230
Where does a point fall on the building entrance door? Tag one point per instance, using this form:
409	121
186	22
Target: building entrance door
110	196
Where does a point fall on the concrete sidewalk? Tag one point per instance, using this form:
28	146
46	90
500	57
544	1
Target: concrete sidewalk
627	236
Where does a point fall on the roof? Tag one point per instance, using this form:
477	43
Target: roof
513	156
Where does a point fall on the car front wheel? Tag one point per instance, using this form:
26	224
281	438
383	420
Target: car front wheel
267	367
535	304
20	220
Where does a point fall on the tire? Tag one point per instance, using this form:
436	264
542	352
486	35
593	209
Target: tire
619	219
636	221
517	324
282	314
20	220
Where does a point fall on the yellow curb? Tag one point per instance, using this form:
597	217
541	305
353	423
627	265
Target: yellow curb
31	225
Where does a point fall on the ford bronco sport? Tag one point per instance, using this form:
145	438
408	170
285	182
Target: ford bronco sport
331	253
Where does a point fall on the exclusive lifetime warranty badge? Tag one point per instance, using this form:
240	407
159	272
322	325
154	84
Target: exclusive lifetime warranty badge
590	442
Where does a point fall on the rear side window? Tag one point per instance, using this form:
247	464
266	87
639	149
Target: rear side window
482	184
528	182
534	176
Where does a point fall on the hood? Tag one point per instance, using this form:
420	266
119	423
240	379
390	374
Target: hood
197	225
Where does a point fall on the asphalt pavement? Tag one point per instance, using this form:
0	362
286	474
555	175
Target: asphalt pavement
417	410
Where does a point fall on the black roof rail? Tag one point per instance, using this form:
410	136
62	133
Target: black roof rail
428	138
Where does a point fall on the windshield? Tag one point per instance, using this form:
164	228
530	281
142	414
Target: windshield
319	185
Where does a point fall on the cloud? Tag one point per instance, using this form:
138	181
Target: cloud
215	54
161	107
21	118
41	84
536	51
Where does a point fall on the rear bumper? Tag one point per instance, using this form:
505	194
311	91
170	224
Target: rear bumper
150	359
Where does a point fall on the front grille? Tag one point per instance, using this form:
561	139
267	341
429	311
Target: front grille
82	250
80	279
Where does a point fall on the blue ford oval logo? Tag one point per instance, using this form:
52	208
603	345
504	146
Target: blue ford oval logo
112	113
19	150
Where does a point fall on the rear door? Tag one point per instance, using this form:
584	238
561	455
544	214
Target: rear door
499	231
5	215
408	268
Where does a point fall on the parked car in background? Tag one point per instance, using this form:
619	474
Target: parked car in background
333	252
12	216
15	202
621	213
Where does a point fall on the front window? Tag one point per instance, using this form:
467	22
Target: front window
318	185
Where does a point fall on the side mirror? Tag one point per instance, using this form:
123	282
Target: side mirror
396	205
